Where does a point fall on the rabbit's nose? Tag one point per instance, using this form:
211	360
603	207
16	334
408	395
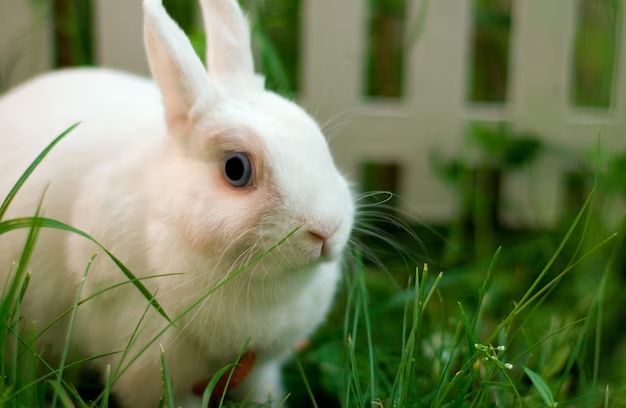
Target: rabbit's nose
323	231
320	237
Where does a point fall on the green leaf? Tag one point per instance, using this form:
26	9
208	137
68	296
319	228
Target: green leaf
521	151
272	63
541	387
492	141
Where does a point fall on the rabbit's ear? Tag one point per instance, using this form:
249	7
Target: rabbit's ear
176	68
229	53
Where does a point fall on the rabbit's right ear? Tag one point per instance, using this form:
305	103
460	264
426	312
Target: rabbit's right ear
229	53
175	66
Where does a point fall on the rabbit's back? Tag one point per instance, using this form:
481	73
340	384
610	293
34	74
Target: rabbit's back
116	111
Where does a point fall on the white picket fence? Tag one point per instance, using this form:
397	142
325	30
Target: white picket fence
434	112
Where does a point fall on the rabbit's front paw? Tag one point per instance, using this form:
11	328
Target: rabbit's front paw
263	386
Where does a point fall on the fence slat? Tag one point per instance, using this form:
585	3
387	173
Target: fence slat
119	35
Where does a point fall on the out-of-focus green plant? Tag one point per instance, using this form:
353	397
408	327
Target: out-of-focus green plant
502	148
595	52
275	38
386	52
183	12
616	174
477	180
275	35
489	69
497	147
72	32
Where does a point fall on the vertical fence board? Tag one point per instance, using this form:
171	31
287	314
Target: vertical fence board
119	35
540	60
333	38
435	105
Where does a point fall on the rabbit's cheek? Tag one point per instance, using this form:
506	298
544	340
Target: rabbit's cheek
223	225
198	238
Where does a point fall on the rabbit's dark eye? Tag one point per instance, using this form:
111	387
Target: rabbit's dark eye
238	169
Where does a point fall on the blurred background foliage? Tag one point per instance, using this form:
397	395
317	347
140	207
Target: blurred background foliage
581	356
276	38
385	58
491	44
276	28
596	47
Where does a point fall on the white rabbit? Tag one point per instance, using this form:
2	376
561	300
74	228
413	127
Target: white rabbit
194	176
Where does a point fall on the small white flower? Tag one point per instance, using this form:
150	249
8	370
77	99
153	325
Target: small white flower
508	366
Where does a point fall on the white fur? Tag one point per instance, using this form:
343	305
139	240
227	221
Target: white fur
142	174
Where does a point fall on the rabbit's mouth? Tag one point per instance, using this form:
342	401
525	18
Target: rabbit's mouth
297	258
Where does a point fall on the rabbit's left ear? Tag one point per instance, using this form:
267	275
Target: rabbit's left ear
176	68
229	53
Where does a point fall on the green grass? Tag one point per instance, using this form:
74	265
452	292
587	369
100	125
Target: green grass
538	323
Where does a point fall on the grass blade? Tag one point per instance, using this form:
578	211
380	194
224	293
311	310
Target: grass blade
224	389
354	371
98	293
227	279
208	391
306	383
107	387
469	331
70	327
61	393
485	286
541	387
131	340
16	289
167	392
523	301
52	372
9	198
368	330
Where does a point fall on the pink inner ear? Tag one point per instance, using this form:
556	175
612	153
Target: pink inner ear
229	53
176	68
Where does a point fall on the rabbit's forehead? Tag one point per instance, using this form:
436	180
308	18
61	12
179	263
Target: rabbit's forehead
291	137
301	164
280	127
